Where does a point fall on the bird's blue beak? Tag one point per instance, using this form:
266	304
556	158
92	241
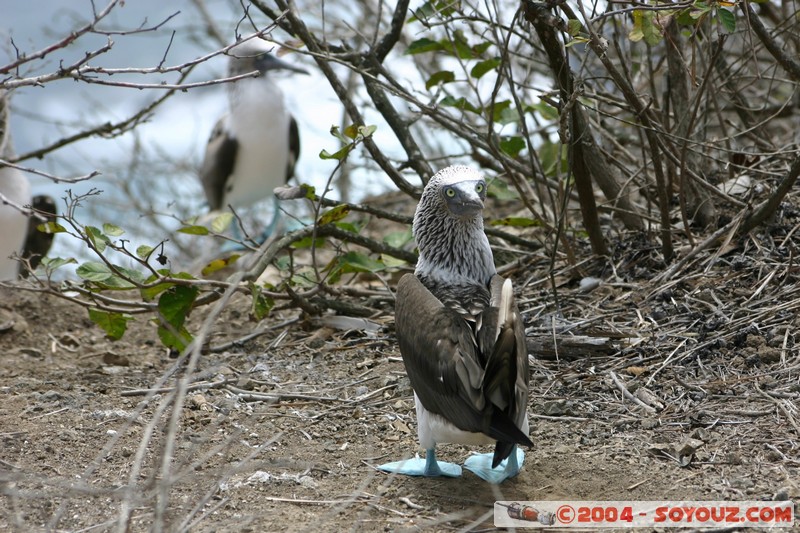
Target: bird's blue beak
465	199
267	62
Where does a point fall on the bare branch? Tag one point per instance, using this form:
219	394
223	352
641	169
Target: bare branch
66	41
55	179
788	63
768	208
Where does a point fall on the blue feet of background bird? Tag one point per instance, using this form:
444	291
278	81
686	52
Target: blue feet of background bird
275	227
480	464
428	467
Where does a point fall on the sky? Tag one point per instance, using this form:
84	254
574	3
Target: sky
177	132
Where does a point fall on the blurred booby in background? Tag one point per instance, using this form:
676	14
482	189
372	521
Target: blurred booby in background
254	147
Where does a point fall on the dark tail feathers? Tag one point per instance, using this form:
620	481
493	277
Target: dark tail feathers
507	434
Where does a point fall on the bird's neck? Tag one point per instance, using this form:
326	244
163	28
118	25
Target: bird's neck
255	93
458	253
256	105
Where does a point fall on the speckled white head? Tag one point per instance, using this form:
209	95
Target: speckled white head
448	227
257	54
462	189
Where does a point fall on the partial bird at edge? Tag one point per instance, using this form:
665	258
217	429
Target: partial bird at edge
15	189
38	243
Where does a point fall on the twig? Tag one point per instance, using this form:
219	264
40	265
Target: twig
254	335
166	390
780	405
628	395
282	396
786	61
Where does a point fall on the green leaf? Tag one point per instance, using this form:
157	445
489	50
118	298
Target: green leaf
144	251
117	283
111	229
356	132
461	45
699	11
219	264
282	263
684	17
422	13
553	158
727	19
366	131
496	110
175	338
52	263
423	45
338	155
308	242
398	239
356	262
262	304
114	324
134	275
305	278
517	222
479	49
574	27
576	40
652	33
149	293
103	275
309	191
94	271
460	103
390	261
545	110
51	227
512	145
174	306
482	67
440	78
643	27
351	132
507	115
335	132
351	135
441	9
500	190
96	237
333	214
221	222
194	230
348	226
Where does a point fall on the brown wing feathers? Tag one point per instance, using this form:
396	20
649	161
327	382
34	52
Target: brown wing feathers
466	375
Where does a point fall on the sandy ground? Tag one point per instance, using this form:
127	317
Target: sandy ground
283	432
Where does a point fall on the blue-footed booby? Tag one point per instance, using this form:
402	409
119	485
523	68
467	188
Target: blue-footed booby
253	148
461	336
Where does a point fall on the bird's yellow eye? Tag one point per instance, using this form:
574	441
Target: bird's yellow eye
479	188
450	192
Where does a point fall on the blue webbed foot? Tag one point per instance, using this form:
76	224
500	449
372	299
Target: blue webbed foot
481	465
428	467
274	228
